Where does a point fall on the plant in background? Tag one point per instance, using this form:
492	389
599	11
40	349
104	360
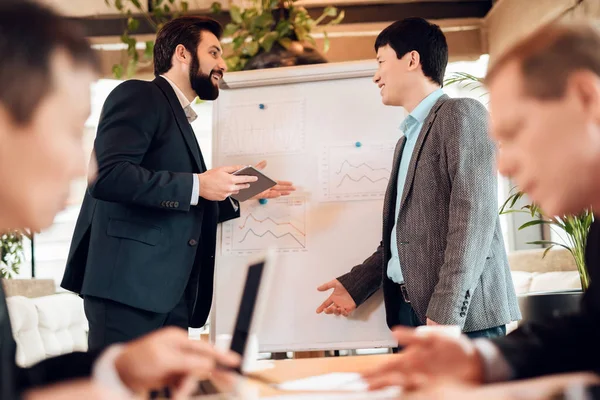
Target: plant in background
160	12
465	80
575	228
253	29
11	254
270	23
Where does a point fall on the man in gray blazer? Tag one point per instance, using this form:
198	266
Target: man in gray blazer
442	258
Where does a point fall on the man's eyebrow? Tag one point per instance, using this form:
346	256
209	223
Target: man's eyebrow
216	48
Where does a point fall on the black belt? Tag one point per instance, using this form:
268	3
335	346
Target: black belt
404	292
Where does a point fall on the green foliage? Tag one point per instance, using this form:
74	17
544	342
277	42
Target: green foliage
466	81
574	227
267	22
252	29
162	12
11	254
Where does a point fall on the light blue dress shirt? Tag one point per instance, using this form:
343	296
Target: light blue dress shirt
411	127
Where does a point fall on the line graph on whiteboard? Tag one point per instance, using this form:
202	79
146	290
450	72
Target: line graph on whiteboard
271	128
280	223
348	172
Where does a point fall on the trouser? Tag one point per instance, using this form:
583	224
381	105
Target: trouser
112	322
408	317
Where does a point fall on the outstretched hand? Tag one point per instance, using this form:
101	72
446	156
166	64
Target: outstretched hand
283	188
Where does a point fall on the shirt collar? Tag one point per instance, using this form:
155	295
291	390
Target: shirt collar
185	103
421	111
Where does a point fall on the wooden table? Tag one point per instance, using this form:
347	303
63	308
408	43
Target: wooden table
259	385
286	370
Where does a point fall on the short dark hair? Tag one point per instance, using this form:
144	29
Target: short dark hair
29	35
186	31
549	55
421	36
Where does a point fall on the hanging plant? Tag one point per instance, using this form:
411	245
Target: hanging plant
269	23
159	13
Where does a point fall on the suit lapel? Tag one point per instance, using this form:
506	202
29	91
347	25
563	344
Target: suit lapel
390	194
410	176
182	122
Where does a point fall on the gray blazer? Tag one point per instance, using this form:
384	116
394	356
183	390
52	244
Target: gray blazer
449	238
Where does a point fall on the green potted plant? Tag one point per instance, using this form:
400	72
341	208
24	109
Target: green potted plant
574	227
275	33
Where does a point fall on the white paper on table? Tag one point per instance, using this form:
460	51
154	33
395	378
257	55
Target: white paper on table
335	382
351	382
386	394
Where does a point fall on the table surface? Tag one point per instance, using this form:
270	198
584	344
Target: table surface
286	370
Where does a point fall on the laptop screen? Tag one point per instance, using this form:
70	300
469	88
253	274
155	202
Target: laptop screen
247	307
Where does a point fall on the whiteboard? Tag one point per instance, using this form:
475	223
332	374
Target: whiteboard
324	128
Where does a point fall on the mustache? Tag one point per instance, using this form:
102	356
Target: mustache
218	72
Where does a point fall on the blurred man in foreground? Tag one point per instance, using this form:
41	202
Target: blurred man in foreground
545	107
45	78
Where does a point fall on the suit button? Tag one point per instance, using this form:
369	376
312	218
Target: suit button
462	314
192	242
463	309
162	203
176	204
465	303
171	204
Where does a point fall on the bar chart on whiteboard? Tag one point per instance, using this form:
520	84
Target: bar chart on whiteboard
355	171
281	223
273	128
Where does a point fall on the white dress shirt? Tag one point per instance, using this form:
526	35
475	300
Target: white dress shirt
191	117
105	372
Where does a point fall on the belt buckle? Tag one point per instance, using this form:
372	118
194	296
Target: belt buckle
404	292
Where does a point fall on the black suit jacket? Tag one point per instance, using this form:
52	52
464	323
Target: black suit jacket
138	241
567	344
15	380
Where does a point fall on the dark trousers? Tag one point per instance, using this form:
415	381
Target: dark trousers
408	317
111	322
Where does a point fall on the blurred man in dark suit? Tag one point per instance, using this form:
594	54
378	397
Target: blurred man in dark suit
45	76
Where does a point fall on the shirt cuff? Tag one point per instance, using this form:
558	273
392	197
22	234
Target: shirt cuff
195	190
105	372
234	205
496	368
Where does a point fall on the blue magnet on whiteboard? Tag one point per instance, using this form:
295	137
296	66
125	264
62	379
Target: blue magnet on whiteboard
263	201
358	144
261	106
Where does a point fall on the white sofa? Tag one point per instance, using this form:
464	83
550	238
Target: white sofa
532	273
47	326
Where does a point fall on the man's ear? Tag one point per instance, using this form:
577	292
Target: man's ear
414	60
586	86
182	55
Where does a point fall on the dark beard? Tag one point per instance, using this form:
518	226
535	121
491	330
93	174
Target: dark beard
202	83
